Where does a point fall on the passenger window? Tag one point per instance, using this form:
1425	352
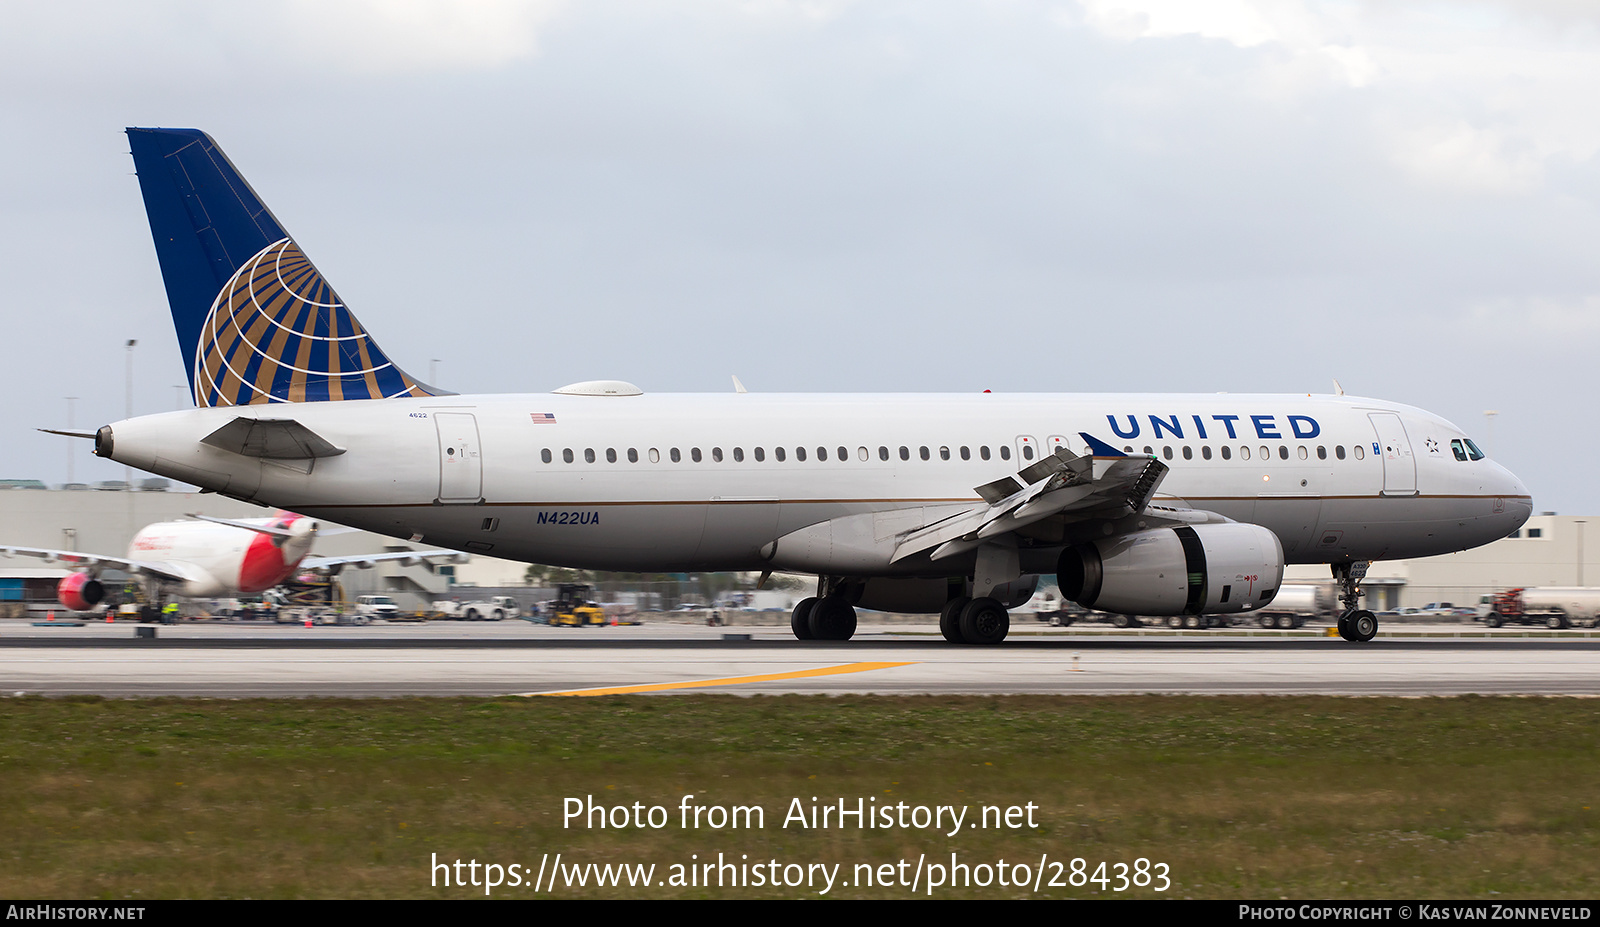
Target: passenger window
676	457
1188	452
1322	452
761	454
1005	452
544	455
1360	451
844	454
1266	452
800	453
1027	452
983	452
1166	451
1206	452
822	453
588	455
966	452
716	455
1244	452
944	453
566	454
1227	452
611	455
905	452
883	453
655	456
923	451
862	454
778	453
1149	451
694	454
1338	451
633	455
738	455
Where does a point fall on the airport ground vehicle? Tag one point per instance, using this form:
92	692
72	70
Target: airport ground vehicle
1294	604
1172	505
1552	606
376	606
494	608
571	608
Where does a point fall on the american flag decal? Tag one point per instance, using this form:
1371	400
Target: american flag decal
543	418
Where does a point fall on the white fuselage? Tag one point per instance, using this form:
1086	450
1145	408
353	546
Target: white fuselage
695	482
219	560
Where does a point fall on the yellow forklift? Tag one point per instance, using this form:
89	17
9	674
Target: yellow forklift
572	608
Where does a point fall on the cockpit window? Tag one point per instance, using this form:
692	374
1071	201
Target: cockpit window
1457	449
1472	450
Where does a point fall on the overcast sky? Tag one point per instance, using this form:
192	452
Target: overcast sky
1097	195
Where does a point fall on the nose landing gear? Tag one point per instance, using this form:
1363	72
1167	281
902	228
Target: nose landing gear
1356	625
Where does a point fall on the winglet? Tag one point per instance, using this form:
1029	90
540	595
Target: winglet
1098	447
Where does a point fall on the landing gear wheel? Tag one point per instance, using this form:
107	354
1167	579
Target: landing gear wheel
833	619
984	621
950	619
1363	626
800	619
1344	627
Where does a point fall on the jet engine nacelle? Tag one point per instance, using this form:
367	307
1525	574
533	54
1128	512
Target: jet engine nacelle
80	592
1187	570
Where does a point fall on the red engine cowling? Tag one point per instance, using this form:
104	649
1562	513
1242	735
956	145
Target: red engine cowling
1199	570
80	592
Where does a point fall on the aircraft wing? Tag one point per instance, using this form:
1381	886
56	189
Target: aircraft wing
94	562
366	561
1109	484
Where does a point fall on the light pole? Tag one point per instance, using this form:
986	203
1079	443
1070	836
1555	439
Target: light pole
127	471
70	441
1578	523
1489	417
433	371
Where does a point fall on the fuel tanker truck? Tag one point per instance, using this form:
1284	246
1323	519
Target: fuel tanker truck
1552	606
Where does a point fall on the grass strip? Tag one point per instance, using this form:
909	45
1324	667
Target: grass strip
1241	797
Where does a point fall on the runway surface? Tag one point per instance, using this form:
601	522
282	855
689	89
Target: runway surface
517	658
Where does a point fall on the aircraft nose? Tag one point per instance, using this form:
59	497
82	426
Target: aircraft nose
1513	504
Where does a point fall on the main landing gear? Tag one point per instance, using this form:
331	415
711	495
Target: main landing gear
828	616
1355	624
966	620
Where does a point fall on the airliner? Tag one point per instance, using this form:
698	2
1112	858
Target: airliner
207	557
1147	504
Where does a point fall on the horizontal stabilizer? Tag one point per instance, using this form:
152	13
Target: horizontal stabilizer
271	438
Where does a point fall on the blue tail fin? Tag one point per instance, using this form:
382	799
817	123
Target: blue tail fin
256	322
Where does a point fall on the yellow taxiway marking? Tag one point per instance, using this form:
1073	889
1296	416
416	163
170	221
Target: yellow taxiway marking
727	681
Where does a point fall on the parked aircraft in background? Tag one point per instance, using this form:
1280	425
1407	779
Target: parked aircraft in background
208	558
1151	504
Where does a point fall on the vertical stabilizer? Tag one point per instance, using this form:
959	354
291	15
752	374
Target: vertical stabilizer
256	321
